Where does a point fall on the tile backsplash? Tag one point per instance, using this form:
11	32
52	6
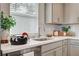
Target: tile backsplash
49	28
75	29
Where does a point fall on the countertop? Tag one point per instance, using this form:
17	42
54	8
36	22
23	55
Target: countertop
7	48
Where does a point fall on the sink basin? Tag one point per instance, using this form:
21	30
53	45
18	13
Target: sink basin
41	39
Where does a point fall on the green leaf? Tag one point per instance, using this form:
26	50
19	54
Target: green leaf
7	22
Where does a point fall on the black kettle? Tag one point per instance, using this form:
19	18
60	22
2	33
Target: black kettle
18	40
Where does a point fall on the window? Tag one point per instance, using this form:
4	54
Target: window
26	15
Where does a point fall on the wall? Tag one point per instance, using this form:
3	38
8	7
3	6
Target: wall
43	27
5	7
48	27
72	14
35	25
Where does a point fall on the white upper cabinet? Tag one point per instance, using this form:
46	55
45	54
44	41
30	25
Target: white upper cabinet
54	13
49	12
57	13
71	13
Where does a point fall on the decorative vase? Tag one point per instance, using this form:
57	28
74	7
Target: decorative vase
5	36
65	33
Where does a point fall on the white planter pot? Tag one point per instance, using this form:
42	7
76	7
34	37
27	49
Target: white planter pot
5	36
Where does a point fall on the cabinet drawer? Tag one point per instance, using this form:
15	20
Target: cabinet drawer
51	46
29	54
25	51
73	41
16	53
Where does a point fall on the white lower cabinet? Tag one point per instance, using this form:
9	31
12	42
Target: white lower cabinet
74	50
54	52
64	47
58	51
60	48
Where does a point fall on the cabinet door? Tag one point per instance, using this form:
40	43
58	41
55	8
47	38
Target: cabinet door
58	51
54	13
64	50
65	47
55	52
57	12
71	12
74	50
49	12
49	53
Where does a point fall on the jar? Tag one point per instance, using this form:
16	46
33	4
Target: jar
55	33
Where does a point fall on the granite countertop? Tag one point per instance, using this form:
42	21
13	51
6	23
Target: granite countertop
7	48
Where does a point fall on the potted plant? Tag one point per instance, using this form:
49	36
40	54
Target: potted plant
66	29
7	22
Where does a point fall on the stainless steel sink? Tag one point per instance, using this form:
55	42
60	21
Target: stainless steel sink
41	39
